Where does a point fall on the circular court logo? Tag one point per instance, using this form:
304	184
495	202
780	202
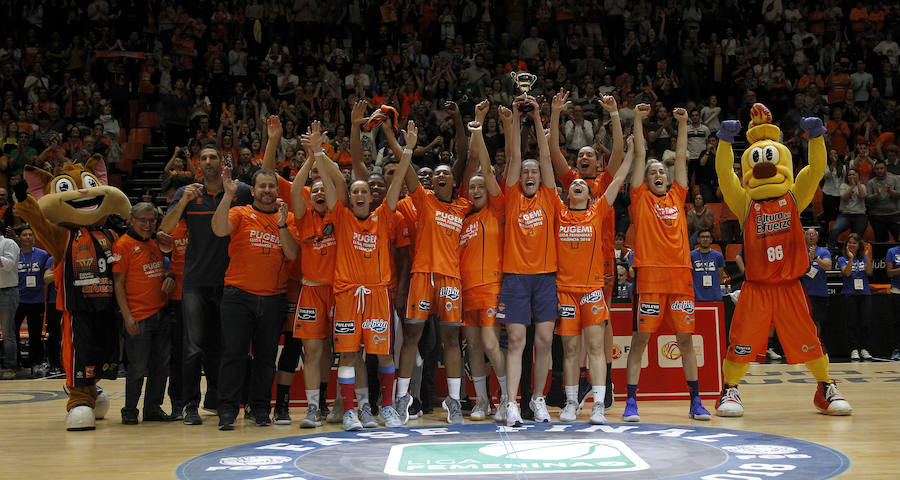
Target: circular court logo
534	451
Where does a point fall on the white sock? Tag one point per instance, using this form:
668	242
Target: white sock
453	388
502	382
312	397
572	393
480	387
402	386
362	396
599	393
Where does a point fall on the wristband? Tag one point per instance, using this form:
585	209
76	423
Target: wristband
282	226
407	150
321	153
614	113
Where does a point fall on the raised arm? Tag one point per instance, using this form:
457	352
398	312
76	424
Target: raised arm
357	118
681	176
327	168
473	160
640	149
479	149
221	226
392	142
171	163
298	202
612	191
274	130
182	199
514	144
557	105
547	176
393	193
608	102
461	143
807	181
289	246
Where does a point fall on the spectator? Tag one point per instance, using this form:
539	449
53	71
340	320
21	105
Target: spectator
708	268
709	114
9	302
884	204
861	82
578	132
856	267
852	209
33	263
892	267
698	219
624	287
831	187
705	170
815	280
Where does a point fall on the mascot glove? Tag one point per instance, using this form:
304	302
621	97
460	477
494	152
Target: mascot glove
728	130
813	126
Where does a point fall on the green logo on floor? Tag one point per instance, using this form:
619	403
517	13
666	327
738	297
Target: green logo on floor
517	456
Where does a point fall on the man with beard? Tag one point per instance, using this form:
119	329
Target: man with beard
204	273
253	297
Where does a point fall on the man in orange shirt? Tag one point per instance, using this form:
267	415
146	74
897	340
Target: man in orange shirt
528	289
662	261
361	278
141	285
253	303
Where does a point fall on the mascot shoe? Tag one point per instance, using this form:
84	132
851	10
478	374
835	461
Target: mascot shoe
81	418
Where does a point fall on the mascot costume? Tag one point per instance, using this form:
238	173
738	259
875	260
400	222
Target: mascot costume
767	200
68	210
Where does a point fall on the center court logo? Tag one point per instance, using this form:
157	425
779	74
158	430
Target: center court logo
578	451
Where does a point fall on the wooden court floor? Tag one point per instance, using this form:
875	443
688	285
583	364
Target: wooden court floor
777	399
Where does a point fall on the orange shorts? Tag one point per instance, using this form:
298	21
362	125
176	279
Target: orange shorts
787	307
314	312
292	291
362	316
578	310
432	293
480	305
677	309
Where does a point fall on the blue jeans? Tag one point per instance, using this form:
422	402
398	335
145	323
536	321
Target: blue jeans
202	343
856	222
9	303
148	356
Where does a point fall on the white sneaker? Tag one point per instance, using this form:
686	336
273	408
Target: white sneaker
454	411
569	412
729	404
391	417
597	415
401	404
539	407
854	355
865	354
513	419
481	409
351	421
500	414
772	354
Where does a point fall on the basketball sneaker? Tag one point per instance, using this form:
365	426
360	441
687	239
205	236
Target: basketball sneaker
402	407
539	407
854	355
631	411
584	389
864	354
391	417
129	416
226	423
829	400
609	398
569	412
481	409
282	415
500	414
896	354
192	416
771	354
312	419
454	411
351	421
335	415
513	419
729	403
597	415
262	419
698	412
366	417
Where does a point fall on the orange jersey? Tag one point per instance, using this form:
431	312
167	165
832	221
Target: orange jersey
529	235
579	240
363	248
318	246
774	248
438	235
661	245
176	266
399	239
481	245
408	210
257	264
142	263
598	187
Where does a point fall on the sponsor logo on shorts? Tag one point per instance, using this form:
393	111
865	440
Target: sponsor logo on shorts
742	349
650	309
424	305
595	309
490	312
501	307
686	306
567	311
89	371
593	297
450	293
379	339
377	325
306	314
344	328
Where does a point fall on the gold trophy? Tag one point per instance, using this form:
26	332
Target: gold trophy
524	82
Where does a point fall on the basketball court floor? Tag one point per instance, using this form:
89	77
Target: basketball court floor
777	400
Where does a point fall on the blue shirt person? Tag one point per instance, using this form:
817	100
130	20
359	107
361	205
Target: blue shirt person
819	262
708	268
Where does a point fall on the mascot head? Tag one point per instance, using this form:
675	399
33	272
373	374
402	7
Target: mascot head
76	194
767	166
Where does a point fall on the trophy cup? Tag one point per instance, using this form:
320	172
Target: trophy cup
524	81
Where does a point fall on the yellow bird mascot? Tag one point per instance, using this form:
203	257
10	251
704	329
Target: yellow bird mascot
68	210
767	199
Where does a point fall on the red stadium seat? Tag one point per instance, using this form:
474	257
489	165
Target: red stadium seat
732	249
148	120
140	135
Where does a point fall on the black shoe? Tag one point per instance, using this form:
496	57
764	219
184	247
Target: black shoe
192	416
156	415
466	404
556	396
282	415
129	416
226	423
177	413
525	409
609	398
263	420
584	389
210	406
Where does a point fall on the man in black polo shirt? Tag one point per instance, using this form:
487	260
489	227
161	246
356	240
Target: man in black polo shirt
204	272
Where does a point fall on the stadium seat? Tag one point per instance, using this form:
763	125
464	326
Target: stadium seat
140	135
732	249
148	120
716	247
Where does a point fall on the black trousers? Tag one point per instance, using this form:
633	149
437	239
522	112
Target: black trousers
858	315
34	314
202	343
148	356
174	312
